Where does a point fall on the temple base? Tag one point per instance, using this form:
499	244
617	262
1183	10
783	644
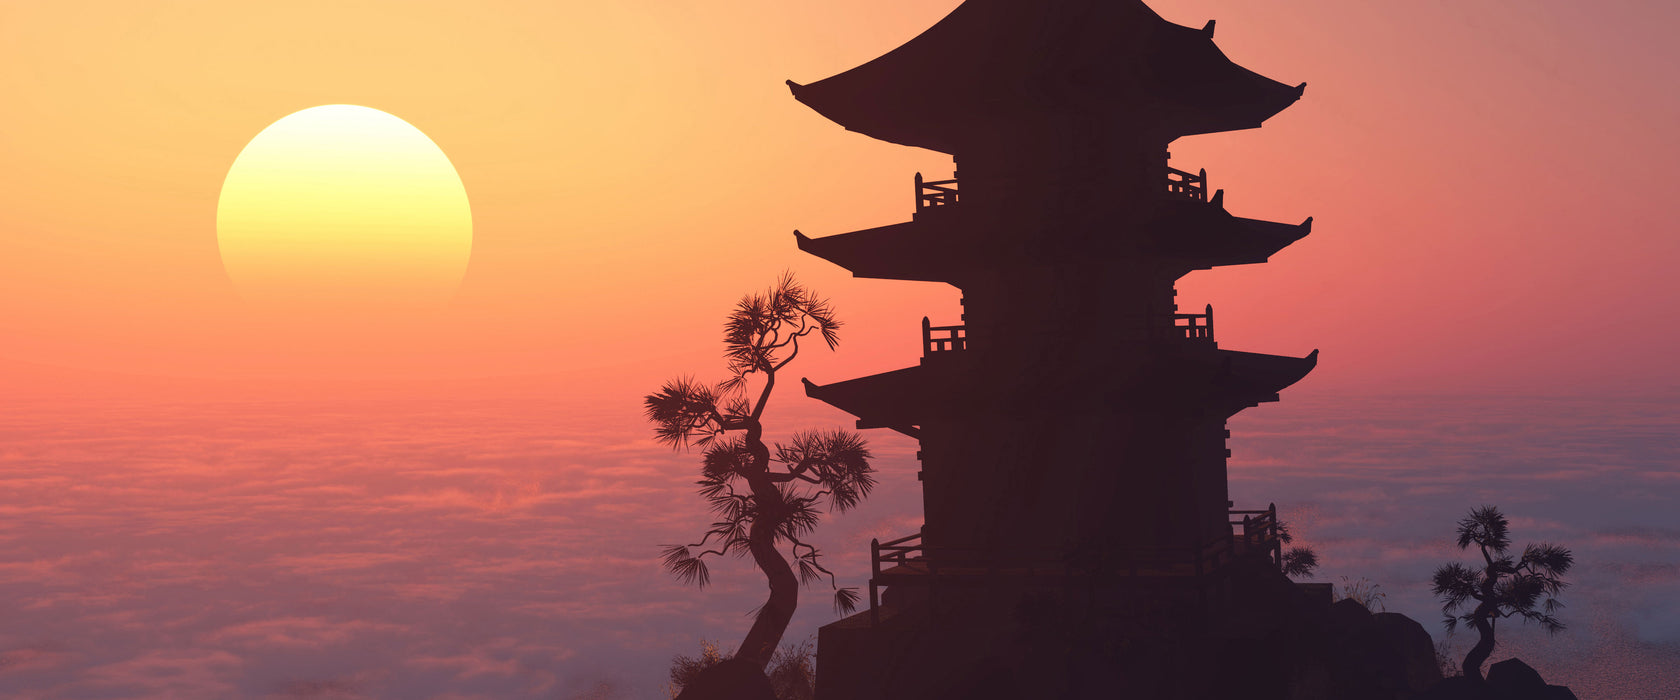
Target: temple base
1248	632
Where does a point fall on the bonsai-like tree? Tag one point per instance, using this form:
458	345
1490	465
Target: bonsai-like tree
765	497
1298	562
1502	586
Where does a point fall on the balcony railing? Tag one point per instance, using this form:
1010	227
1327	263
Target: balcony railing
905	561
1191	327
1258	532
1194	326
1191	185
941	193
938	193
943	338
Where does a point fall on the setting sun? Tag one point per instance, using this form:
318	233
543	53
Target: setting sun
403	350
343	206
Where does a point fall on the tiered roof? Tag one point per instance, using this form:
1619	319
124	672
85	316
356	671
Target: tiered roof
902	399
992	63
1188	235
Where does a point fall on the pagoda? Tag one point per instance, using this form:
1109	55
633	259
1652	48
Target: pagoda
1073	424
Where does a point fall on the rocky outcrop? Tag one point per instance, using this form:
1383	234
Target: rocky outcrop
1272	639
1385	655
1410	642
1510	679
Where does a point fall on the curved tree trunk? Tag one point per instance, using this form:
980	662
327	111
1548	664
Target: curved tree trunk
772	619
1486	606
1484	648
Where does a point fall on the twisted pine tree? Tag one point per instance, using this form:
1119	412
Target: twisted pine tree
1502	586
765	496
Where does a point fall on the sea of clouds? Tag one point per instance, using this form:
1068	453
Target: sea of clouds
455	548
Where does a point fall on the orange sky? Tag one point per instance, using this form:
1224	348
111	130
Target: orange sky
1488	180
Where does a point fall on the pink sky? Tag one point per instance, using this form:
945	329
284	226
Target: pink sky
201	500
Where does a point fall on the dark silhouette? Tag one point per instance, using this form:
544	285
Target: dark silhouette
1502	586
792	672
1073	425
779	506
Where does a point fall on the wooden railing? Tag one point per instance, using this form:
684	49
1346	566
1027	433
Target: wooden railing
1195	326
1183	184
905	559
1258	531
937	193
897	553
953	338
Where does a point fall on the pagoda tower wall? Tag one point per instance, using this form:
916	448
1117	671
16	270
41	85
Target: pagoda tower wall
1133	477
1084	424
1063	166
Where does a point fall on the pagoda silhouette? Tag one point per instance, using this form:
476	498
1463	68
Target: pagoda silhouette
1073	425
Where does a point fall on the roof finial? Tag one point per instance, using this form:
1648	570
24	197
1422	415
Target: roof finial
1208	29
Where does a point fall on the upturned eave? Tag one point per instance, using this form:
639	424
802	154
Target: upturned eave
996	64
907	251
895	399
1253	378
1205	235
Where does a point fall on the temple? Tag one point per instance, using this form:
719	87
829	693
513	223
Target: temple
1072	423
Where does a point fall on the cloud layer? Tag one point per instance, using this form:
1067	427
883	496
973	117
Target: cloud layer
507	549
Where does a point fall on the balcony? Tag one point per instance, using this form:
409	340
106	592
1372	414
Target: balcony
905	561
938	193
932	194
1257	531
936	339
1194	326
1187	185
940	340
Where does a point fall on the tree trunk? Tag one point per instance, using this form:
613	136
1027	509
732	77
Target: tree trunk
1487	605
772	619
1484	648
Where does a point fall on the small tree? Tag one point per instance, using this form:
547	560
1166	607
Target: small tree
780	504
1502	586
1298	562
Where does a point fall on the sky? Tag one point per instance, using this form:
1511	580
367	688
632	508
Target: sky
1488	180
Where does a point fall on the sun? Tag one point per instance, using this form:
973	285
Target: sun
341	207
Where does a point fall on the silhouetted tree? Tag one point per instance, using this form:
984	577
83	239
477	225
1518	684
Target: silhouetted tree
1298	562
785	486
1502	586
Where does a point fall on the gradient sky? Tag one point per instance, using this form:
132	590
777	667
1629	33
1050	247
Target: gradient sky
1490	182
